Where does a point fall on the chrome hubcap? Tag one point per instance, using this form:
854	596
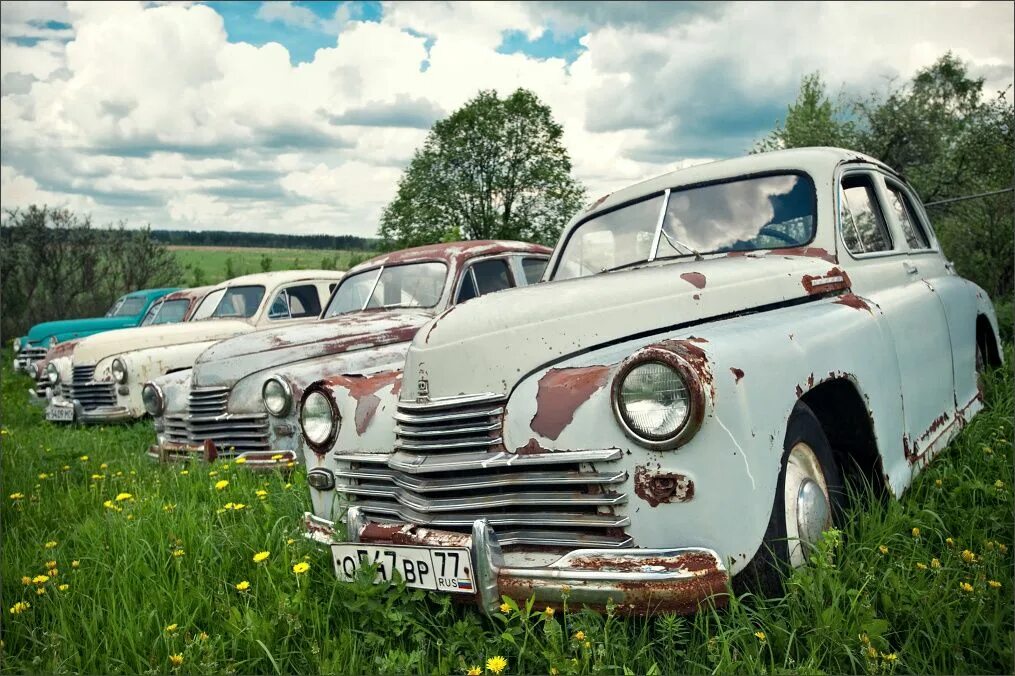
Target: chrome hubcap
806	500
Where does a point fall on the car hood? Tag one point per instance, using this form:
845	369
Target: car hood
42	332
545	322
227	362
94	349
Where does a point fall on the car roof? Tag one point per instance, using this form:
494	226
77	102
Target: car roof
282	277
195	292
147	293
452	252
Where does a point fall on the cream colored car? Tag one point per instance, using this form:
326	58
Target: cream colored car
102	380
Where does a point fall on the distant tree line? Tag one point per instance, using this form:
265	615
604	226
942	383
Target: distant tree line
265	240
55	265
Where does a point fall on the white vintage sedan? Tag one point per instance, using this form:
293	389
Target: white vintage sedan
101	381
716	352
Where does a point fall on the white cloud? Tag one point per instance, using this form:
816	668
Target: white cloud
149	113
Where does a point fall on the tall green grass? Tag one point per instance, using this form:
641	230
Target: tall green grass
171	555
209	265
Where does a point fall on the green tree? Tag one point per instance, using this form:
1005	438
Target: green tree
265	263
495	168
812	120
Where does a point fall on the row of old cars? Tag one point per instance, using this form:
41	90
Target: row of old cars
708	358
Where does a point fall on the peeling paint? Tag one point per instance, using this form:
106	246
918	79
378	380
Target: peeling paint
855	302
561	392
694	278
363	390
657	488
737	373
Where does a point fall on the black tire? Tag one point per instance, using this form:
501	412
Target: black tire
765	572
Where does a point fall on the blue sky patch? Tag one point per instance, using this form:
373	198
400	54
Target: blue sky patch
549	45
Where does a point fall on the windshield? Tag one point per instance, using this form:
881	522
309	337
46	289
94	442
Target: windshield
767	212
128	307
149	317
410	285
172	311
239	301
111	312
208	305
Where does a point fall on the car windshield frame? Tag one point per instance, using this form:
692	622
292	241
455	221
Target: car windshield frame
379	270
662	219
111	312
124	305
252	311
175	303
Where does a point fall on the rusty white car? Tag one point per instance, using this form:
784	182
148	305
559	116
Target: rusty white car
239	401
711	353
179	306
102	379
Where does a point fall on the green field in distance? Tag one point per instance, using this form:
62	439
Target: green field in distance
210	264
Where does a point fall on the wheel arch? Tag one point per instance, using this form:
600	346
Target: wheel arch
986	339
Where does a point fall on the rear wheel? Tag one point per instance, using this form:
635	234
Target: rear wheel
809	499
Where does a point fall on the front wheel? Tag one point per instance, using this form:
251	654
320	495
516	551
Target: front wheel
809	499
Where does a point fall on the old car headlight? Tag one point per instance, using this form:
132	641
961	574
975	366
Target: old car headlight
153	398
52	374
17	345
52	342
277	396
657	399
318	419
119	371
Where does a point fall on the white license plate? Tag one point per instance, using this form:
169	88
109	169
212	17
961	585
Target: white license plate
445	569
60	413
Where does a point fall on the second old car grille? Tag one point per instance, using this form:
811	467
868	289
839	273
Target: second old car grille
89	394
207	420
450	468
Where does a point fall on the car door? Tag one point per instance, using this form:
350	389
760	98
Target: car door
881	271
300	301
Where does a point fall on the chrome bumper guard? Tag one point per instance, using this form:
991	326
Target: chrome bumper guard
105	414
634	581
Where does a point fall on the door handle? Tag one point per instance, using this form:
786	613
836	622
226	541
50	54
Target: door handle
910	268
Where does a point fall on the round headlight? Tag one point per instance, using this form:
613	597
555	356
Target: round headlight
17	345
657	399
318	419
119	371
52	374
154	400
52	342
277	396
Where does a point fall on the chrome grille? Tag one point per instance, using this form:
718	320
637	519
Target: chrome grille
449	468
91	395
30	355
207	419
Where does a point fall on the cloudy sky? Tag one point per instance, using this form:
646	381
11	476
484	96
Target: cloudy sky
299	117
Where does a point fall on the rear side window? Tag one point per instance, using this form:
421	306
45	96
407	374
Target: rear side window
533	268
485	277
304	301
863	224
900	205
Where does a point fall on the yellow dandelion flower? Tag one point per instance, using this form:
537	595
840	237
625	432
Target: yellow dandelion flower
968	556
51	564
916	532
83	458
554	671
176	660
40	579
184	472
290	464
43	476
261	556
301	567
238	506
921	566
287	486
240	461
261	493
276	457
168	507
64	587
950	542
66	468
17	496
882	549
213	473
290	541
889	657
53	572
75	564
760	635
496	664
20	607
1003	548
999	485
937	483
989	545
203	636
98	477
178	553
120	497
221	484
109	504
966	587
474	671
172	627
39	591
50	544
935	563
505	608
103	466
579	636
228	505
242	586
25	580
994	584
872	652
987	450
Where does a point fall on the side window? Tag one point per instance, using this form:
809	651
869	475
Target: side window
534	269
903	209
468	289
303	301
492	275
863	224
279	307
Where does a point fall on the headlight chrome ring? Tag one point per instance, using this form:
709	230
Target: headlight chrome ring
277	395
319	419
119	371
650	366
52	374
154	399
52	342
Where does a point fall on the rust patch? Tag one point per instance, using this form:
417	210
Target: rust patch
409	534
855	302
657	488
531	448
363	389
737	373
695	278
810	252
833	280
697	296
560	393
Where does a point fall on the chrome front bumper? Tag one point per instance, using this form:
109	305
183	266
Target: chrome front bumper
106	414
633	581
254	460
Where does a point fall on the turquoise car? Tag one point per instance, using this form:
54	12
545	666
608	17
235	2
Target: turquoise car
128	310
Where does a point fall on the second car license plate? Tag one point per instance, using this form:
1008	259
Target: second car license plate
60	413
443	569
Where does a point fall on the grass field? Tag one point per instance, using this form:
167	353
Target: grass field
210	264
113	564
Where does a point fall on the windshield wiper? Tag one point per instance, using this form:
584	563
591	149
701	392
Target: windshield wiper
675	244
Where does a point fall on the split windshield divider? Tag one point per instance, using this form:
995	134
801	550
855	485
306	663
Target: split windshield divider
659	227
373	288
